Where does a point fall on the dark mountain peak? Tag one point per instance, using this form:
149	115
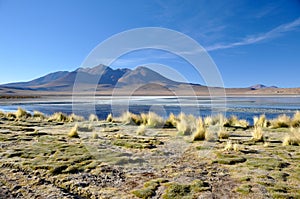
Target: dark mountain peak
97	70
261	86
144	75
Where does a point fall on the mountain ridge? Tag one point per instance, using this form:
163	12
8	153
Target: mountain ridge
261	86
123	79
103	75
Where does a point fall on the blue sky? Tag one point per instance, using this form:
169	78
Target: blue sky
250	41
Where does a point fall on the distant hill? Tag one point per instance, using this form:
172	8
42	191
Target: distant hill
261	86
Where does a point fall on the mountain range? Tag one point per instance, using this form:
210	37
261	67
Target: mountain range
64	80
109	79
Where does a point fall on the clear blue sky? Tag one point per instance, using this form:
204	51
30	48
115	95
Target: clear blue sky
250	41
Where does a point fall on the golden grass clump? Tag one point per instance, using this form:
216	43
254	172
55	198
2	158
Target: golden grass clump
21	113
183	127
2	114
201	131
233	121
109	118
220	119
208	121
186	124
293	138
155	120
171	121
282	121
215	120
141	130
37	114
236	147
243	123
59	117
260	121
136	119
95	135
74	132
228	146
222	133
93	118
75	118
125	117
232	147
257	134
144	118
296	120
11	115
130	118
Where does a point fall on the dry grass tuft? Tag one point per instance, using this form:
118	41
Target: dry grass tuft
109	118
2	114
293	138
144	118
233	121
243	123
59	117
228	146
171	121
201	131
215	120
125	117
208	121
257	134
236	147
21	113
136	119
74	132
260	121
37	114
266	144
296	120
210	134
130	118
11	115
75	118
155	120
282	121
141	130
222	133
232	147
95	135
186	124
93	118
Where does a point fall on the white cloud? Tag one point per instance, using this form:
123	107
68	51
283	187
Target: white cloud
276	32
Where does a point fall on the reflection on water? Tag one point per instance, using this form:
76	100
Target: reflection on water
243	107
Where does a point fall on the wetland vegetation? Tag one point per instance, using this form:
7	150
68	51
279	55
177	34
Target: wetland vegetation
147	156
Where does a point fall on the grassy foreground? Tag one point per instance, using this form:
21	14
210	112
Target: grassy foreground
144	156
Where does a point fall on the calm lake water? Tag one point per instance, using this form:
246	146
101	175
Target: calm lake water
243	107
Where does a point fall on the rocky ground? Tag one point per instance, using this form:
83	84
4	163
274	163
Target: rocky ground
109	160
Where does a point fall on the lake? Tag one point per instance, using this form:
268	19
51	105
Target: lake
243	107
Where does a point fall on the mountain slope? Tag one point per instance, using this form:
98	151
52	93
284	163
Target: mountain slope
64	80
40	81
143	75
